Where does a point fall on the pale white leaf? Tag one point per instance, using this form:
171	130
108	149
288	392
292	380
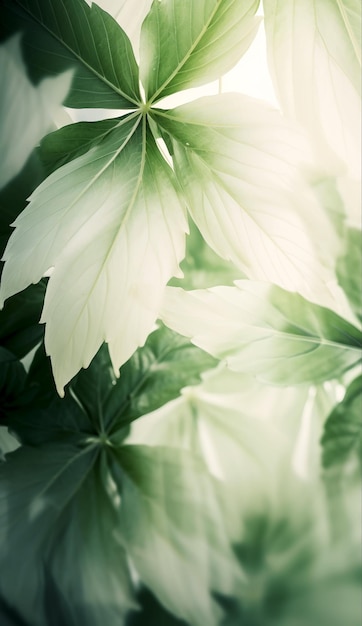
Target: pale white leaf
26	111
314	49
112	226
241	168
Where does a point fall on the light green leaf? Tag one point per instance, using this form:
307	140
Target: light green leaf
349	269
20	102
112	224
70	34
239	164
343	428
56	523
186	43
314	49
174	523
263	330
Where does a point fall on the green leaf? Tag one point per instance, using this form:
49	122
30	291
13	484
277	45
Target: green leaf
72	34
314	47
36	484
173	515
40	416
186	43
130	16
111	222
154	375
343	428
21	101
240	164
19	320
264	330
349	269
56	511
72	141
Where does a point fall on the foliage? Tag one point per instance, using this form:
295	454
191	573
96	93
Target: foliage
180	435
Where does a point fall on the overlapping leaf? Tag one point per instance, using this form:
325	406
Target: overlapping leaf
112	224
264	330
153	375
239	164
173	515
71	34
314	49
21	101
200	41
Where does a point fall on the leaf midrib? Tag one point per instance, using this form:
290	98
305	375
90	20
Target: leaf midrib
125	216
317	341
81	59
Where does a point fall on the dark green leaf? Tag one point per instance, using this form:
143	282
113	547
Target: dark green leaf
154	375
343	428
36	485
41	416
151	612
20	330
9	616
349	269
13	197
57	524
70	34
72	141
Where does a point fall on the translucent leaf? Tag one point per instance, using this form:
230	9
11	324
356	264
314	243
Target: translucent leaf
21	101
314	49
70	34
266	331
173	519
343	428
186	43
240	166
112	225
